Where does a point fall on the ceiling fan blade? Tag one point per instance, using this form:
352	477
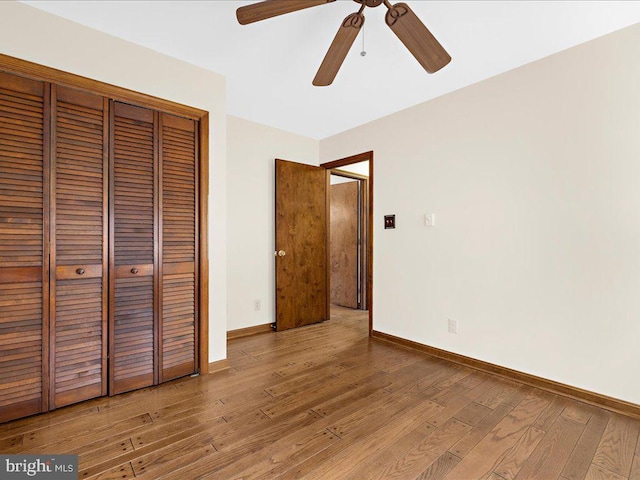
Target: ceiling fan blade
417	38
273	8
338	50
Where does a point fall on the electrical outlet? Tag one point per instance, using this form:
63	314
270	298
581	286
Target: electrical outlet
257	305
453	326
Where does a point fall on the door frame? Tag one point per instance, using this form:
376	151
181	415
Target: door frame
363	221
328	166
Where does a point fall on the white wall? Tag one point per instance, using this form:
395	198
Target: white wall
534	176
361	168
39	37
252	150
337	180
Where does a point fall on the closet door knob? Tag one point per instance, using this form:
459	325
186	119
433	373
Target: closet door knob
134	270
80	271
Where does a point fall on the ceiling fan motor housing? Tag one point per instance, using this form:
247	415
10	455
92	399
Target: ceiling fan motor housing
370	3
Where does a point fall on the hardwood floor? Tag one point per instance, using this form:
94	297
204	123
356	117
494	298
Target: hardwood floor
326	402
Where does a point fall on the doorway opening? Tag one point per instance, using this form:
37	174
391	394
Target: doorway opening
350	235
348	238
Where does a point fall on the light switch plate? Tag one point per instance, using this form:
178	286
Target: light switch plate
429	219
389	222
453	326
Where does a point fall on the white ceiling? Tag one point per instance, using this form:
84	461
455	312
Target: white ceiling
269	65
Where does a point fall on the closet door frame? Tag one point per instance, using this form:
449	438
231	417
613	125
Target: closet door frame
34	71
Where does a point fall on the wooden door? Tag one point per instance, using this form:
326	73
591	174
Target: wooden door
79	254
178	234
301	244
344	244
24	276
134	249
99	250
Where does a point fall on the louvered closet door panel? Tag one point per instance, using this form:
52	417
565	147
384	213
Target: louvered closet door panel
133	345
178	315
23	251
79	235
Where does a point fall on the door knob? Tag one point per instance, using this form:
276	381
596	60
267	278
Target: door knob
281	253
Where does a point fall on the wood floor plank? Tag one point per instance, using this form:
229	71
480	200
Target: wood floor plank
9	443
459	403
328	402
480	431
42	440
124	472
158	434
550	456
241	446
487	455
596	472
579	411
310	377
494	476
393	405
457	374
166	422
448	395
166	398
475	379
582	456
514	460
282	459
353	455
188	426
309	395
617	445
473	414
496	395
68	414
386	457
159	467
355	435
421	379
440	468
635	468
95	456
365	392
418	460
148	459
556	406
153	443
518	395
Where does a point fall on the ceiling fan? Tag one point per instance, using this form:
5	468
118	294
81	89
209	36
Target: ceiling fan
400	18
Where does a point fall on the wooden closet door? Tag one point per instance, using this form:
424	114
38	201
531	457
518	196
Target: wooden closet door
24	108
178	268
133	233
79	265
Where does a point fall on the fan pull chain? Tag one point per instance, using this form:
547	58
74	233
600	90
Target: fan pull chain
363	53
